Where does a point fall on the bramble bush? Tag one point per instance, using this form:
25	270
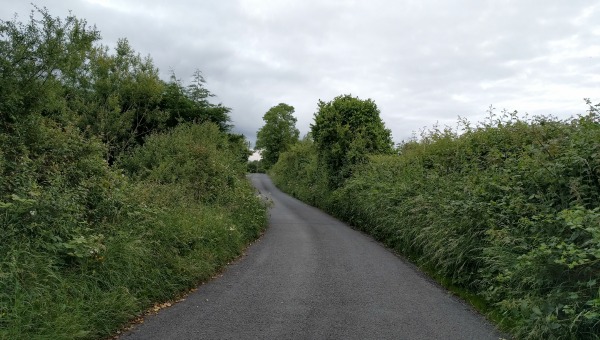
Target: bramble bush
507	211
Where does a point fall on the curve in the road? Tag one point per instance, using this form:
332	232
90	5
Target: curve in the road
313	277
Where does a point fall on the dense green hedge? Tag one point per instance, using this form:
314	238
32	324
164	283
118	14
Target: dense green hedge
508	211
109	202
87	247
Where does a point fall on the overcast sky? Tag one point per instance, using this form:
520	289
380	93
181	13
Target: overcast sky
421	61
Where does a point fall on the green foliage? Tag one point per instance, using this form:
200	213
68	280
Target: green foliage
55	187
278	133
87	246
239	146
507	211
86	249
176	157
52	67
118	97
35	59
190	104
256	166
297	172
345	131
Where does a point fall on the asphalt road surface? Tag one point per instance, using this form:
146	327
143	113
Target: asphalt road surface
313	277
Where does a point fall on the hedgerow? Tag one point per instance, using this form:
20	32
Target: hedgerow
507	211
114	194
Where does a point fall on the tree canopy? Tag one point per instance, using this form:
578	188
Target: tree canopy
278	134
191	103
56	68
345	131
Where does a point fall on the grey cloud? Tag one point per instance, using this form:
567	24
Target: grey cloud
421	61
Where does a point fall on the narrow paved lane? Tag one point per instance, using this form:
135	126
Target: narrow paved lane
313	277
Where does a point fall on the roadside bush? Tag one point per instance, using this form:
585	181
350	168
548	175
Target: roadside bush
176	156
298	173
86	245
507	211
59	204
196	165
87	249
256	167
345	131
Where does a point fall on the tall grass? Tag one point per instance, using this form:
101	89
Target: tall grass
508	211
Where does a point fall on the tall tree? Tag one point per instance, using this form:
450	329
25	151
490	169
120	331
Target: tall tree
345	131
278	133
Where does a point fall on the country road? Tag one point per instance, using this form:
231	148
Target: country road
313	277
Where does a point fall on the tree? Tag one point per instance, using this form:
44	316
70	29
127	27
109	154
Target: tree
119	100
191	104
36	59
278	133
345	131
239	146
56	190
